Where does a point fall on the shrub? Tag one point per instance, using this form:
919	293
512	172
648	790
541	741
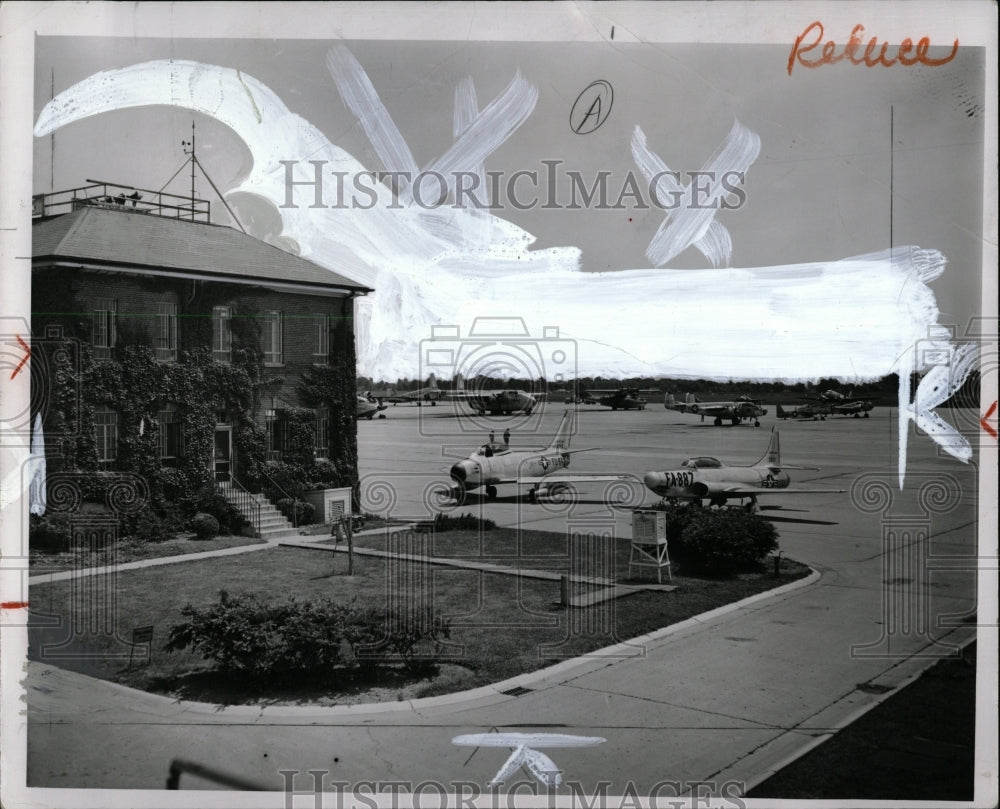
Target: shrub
205	526
146	526
228	517
297	511
723	542
462	522
243	634
50	534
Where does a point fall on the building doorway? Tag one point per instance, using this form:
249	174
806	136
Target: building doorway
223	455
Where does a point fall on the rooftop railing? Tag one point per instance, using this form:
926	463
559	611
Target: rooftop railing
115	196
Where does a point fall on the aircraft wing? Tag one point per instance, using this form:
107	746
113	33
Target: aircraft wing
739	490
595	478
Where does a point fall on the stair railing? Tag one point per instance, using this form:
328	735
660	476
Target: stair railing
247	503
274	493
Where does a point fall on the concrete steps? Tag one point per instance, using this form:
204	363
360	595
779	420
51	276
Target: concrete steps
273	524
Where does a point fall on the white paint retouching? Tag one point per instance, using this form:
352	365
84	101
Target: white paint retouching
856	319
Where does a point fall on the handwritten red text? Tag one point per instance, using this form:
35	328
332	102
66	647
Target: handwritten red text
906	53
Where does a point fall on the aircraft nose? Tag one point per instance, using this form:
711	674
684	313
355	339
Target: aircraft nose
459	473
654	481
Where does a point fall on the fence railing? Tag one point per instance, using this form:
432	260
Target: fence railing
247	503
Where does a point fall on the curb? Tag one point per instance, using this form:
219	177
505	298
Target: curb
848	719
486	694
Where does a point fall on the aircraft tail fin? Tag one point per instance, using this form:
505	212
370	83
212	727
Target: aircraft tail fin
781	412
432	381
459	382
773	455
691	399
668	399
563	434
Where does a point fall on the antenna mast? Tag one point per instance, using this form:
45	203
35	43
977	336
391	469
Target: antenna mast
188	147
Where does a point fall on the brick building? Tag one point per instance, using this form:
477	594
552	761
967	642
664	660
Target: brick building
198	348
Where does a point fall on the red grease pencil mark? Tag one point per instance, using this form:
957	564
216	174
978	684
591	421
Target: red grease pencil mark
985	424
13	605
905	55
27	355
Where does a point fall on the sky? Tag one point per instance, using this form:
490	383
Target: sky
832	140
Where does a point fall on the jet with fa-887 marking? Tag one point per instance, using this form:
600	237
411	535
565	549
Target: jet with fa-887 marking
496	463
700	479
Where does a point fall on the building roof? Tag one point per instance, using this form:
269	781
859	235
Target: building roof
123	240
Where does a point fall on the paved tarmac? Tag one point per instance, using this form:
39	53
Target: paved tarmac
722	699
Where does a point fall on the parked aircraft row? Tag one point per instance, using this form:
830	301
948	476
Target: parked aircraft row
498	402
509	401
698	480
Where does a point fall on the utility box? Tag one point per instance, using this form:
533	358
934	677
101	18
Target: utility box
649	542
331	504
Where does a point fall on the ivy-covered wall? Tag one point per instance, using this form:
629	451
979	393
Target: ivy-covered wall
201	392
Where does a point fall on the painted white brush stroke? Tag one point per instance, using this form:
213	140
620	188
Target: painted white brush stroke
693	221
856	319
36	470
539	764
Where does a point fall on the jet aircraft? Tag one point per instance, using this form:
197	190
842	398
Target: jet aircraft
709	479
620	398
496	463
368	407
743	409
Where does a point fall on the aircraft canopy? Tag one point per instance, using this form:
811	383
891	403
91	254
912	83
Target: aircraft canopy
702	463
494	449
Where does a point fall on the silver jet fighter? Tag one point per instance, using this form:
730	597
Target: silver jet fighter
700	479
496	463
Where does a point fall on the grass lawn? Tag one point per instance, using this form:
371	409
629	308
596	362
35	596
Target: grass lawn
501	625
917	745
129	551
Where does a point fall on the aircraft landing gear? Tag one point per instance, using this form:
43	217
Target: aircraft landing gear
491	492
751	507
717	422
736	421
756	423
866	415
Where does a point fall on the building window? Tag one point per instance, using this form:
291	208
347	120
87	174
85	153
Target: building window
106	435
105	335
171	436
271	338
166	332
322	444
222	335
321	348
274	427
